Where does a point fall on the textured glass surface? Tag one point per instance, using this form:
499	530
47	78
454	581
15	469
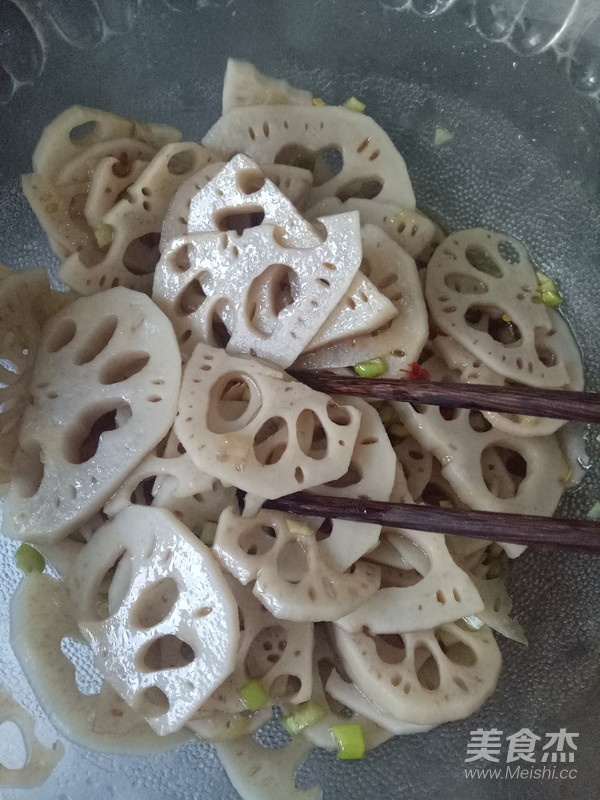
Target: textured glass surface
515	82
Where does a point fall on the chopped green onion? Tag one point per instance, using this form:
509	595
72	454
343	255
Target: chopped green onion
318	101
253	695
528	420
354	104
350	740
297	527
442	136
371	369
302	716
386	414
551	298
104	235
594	512
550	295
208	532
29	559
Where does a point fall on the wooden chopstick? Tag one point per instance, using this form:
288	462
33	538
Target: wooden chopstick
580	535
528	401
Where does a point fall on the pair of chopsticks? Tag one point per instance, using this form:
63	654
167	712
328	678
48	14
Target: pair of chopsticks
581	535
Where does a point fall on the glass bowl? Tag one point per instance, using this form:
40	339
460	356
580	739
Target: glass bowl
516	84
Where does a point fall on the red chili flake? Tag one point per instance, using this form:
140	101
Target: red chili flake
416	372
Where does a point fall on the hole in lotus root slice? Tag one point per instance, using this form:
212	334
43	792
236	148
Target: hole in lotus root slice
95	342
219	432
90	446
166	653
270	135
467	665
160	549
483	261
270	294
493	321
501	335
459	449
123	367
503	470
250	180
234	402
79	128
400	340
136	221
141	254
258	540
271	441
61	335
433	591
82	439
293	578
155	603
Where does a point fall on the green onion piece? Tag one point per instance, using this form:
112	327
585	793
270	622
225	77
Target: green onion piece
297	527
386	414
354	104
253	695
104	235
208	533
371	369
594	512
350	740
441	136
303	715
551	298
549	290
29	559
318	101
